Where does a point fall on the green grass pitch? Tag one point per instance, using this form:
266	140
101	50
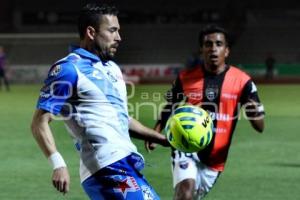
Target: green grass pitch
260	167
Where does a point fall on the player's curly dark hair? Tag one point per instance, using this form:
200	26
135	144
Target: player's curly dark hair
214	28
90	15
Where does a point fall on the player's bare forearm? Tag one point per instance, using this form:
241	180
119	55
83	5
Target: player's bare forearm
140	131
158	126
43	136
165	113
42	133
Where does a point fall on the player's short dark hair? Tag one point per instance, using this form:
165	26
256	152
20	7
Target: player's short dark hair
213	28
90	15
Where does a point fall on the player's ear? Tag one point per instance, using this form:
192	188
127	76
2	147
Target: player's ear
90	32
227	51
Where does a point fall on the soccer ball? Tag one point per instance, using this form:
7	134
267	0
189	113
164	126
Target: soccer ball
189	129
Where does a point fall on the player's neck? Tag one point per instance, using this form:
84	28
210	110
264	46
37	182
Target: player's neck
85	45
215	69
94	49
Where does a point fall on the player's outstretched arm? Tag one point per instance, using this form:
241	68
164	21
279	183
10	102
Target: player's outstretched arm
160	124
140	131
150	146
42	133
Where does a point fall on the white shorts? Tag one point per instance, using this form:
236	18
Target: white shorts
188	166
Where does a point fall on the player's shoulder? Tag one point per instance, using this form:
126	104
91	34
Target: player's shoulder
191	71
63	67
70	60
238	73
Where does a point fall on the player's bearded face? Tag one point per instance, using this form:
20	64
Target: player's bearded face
108	38
215	50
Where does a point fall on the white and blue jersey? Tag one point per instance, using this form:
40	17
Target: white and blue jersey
91	96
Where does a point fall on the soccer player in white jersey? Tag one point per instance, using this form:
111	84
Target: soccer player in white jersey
87	89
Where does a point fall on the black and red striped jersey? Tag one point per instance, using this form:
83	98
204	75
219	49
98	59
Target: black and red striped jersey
223	96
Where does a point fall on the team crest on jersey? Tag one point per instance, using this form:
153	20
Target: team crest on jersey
211	92
128	184
55	70
147	193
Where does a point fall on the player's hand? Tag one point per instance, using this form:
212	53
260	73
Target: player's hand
61	180
165	142
150	146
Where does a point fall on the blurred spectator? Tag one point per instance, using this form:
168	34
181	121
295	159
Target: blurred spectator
270	65
3	69
194	60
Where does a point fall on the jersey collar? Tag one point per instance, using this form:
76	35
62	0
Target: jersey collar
84	53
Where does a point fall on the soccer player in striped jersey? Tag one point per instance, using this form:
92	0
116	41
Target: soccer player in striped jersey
222	90
87	89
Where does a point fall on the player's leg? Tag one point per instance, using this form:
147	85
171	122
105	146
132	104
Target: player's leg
93	188
119	181
185	190
207	178
145	192
184	170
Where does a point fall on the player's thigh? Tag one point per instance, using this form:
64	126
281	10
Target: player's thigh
184	166
206	180
93	188
120	181
119	188
185	189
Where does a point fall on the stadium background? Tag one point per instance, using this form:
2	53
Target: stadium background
159	37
